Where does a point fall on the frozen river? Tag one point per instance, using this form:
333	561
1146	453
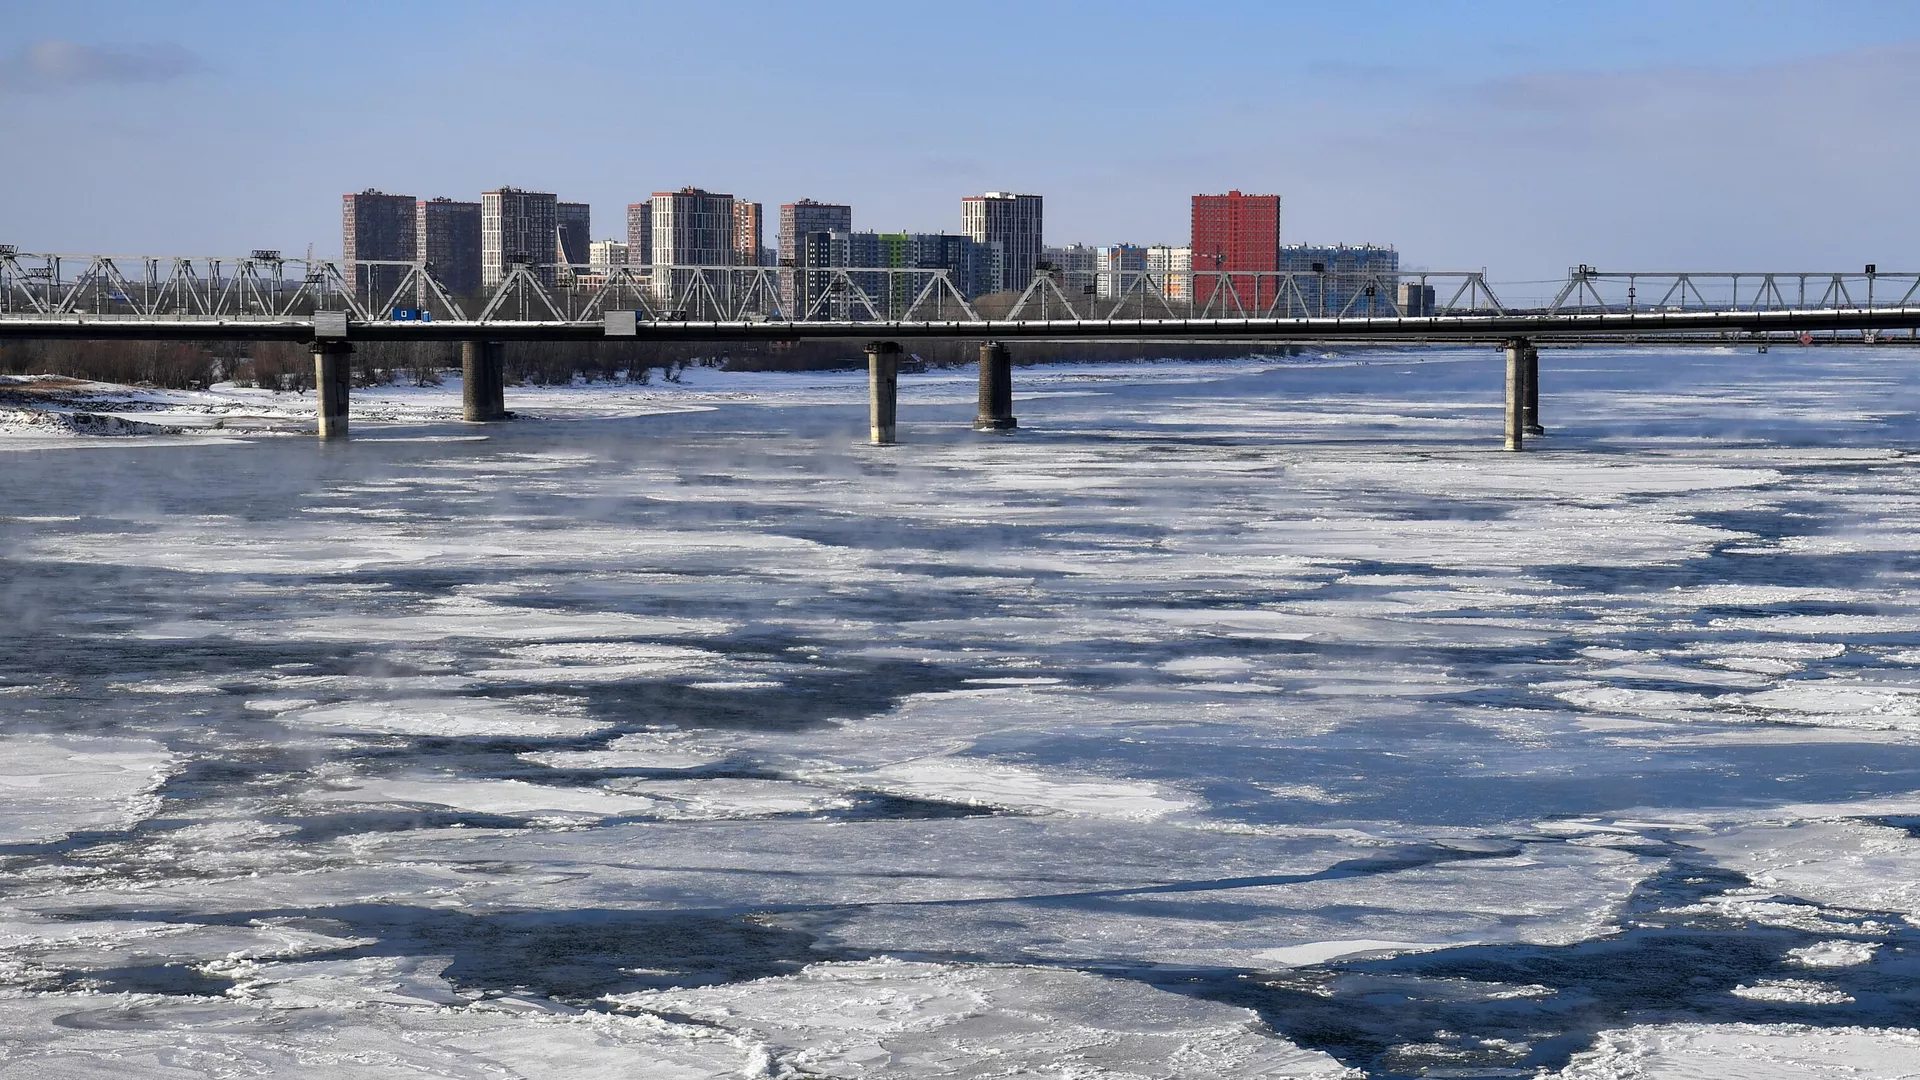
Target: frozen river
1229	720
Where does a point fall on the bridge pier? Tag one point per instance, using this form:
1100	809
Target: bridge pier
1516	392
996	389
483	394
883	390
1530	408
332	376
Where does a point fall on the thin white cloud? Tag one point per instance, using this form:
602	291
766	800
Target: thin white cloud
54	64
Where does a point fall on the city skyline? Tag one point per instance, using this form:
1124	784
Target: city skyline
999	247
1492	135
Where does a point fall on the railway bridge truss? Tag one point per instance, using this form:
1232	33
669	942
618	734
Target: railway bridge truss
331	304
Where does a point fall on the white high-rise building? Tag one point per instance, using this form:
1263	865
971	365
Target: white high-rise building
604	256
1172	269
1015	222
1074	267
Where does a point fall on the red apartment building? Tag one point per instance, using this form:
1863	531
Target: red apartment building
1236	232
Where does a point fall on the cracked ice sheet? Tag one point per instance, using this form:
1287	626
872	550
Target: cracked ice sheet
439	620
118	1035
890	1018
1551	895
39	949
453	718
1870	704
1539	478
1750	1051
680	800
1842	864
983	783
940	726
1093	573
1056	888
54	785
217	545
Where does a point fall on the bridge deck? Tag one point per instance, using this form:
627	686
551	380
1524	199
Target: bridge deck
1441	328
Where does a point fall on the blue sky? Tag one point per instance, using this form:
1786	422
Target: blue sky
1522	137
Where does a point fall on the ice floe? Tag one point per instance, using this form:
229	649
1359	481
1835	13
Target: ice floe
892	1018
54	785
453	718
1751	1051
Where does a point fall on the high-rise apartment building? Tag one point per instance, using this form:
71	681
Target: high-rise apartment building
375	226
640	236
1074	267
1341	280
1012	221
447	238
1236	232
815	291
1119	266
797	219
748	226
691	227
807	216
972	267
825	294
1171	268
575	221
1416	299
517	227
605	256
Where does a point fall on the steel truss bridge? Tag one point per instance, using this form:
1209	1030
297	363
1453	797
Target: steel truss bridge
263	296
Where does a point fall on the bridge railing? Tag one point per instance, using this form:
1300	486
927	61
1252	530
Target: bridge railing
260	285
264	285
1590	291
